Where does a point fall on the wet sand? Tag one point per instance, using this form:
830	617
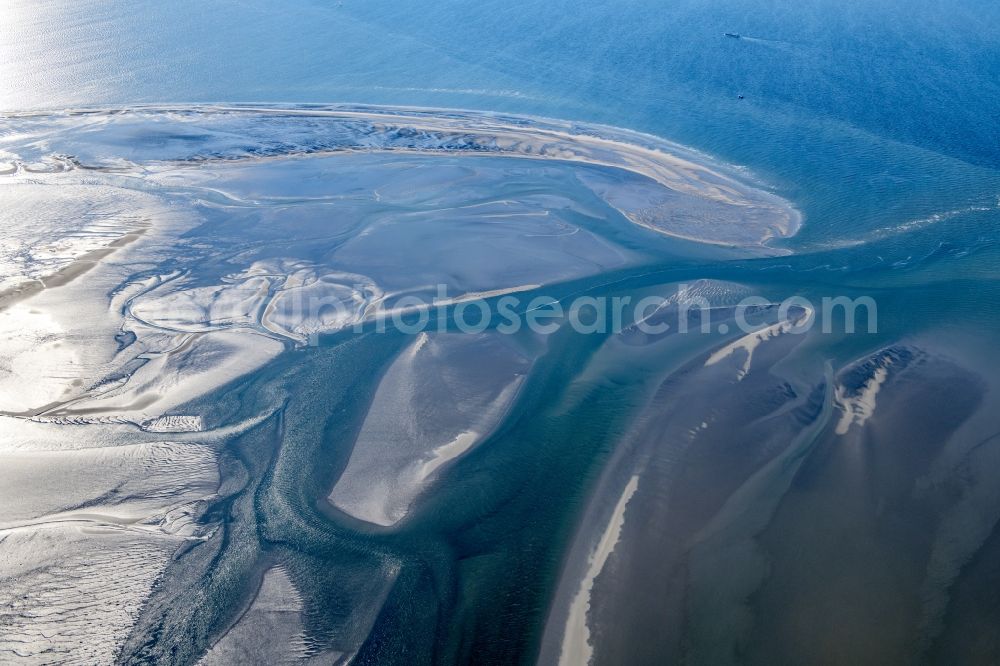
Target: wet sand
616	497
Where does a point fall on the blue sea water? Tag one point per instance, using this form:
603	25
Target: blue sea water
878	120
869	116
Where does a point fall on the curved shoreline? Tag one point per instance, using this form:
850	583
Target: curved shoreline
694	198
166	377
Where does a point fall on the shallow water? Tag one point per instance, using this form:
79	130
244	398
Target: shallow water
207	436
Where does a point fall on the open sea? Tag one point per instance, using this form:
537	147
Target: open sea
199	464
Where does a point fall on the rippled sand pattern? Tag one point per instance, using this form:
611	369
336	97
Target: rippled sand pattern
215	449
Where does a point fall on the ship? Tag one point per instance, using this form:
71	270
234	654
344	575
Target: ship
734	35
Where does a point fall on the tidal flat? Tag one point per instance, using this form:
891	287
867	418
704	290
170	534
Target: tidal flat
209	434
